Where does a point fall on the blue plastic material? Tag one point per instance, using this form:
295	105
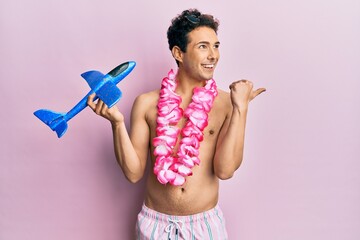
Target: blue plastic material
103	85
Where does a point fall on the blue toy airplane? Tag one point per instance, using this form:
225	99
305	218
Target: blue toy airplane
103	85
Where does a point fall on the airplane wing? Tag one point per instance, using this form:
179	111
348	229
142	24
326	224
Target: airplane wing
94	79
109	93
106	90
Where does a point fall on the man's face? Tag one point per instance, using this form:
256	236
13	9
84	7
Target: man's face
202	53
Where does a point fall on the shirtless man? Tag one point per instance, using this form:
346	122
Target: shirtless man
174	209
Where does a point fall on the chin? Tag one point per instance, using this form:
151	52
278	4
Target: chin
208	76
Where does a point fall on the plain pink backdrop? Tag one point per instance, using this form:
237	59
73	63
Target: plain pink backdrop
300	178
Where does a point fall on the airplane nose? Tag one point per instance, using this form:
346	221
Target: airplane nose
132	64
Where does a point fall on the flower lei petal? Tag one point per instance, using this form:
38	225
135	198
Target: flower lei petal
174	169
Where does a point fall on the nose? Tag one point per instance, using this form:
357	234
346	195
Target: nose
213	54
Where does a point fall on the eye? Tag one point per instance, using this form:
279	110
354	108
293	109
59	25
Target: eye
202	46
216	45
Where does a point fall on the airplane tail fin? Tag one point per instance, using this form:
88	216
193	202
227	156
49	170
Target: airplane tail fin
54	120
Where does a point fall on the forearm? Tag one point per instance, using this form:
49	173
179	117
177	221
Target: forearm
125	153
229	152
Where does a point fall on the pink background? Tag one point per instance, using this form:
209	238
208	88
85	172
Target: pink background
300	178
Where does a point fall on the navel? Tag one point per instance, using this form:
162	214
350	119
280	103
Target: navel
211	132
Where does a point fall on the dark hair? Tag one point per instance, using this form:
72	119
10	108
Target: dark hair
184	23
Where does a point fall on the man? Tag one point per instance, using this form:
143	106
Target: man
194	132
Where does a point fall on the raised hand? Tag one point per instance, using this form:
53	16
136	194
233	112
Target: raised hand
242	93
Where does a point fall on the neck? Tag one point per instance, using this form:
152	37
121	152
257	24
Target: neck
186	84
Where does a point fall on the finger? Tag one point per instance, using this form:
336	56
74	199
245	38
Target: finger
104	109
242	81
234	83
99	106
90	101
258	91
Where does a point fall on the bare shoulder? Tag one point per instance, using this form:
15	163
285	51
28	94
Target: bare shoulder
223	94
223	100
145	100
145	104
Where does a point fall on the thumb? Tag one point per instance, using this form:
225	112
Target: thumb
257	92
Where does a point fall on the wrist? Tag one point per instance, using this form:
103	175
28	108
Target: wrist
243	108
116	124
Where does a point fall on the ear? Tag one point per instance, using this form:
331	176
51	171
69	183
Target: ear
177	53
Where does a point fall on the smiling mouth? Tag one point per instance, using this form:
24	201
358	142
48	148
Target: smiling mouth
209	66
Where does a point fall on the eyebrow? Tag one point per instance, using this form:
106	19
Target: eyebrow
208	43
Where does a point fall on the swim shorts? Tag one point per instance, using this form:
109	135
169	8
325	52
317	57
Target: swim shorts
153	225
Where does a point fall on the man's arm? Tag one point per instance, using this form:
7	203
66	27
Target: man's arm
230	145
131	151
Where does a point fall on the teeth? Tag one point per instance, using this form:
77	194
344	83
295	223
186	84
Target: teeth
208	65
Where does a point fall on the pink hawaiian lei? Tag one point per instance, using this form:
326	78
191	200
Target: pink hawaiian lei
169	168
